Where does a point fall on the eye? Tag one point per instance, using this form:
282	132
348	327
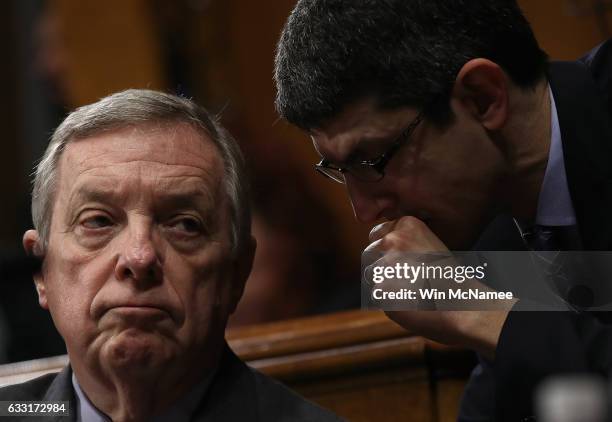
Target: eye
186	224
369	152
96	221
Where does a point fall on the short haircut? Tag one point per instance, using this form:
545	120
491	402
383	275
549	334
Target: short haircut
400	52
133	108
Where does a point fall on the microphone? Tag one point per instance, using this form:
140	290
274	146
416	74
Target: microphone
572	398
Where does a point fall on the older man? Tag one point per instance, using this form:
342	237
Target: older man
142	220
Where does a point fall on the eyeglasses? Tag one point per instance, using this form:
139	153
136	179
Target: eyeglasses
368	170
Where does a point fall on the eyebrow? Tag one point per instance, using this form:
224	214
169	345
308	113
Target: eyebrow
356	150
192	198
359	154
173	197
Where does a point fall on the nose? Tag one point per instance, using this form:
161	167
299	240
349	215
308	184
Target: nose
369	205
138	258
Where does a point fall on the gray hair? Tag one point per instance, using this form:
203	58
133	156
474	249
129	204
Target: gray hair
136	107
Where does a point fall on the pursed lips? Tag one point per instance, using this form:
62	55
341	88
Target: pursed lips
135	307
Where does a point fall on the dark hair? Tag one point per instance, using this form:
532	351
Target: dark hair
401	52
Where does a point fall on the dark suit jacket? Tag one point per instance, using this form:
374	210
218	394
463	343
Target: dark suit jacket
237	393
534	345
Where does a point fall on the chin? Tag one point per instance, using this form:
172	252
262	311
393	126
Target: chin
133	350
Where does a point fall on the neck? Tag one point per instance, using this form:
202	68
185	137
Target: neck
526	143
135	393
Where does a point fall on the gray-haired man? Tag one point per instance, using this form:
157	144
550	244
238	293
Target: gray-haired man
142	220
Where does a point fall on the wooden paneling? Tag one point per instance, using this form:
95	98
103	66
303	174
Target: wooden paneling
108	46
562	33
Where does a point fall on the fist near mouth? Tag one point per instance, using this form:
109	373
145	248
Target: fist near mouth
477	330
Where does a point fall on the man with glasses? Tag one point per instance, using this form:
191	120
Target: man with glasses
440	116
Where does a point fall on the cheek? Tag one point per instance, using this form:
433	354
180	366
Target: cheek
451	181
460	167
414	183
420	173
72	279
203	286
206	311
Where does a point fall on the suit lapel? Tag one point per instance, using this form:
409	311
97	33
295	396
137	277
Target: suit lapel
587	147
61	390
232	395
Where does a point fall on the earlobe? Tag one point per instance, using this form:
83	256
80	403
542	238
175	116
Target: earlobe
41	290
33	247
482	86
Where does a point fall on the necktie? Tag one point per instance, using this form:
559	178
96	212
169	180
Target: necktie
565	271
538	237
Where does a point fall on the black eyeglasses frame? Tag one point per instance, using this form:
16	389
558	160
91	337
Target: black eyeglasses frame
378	164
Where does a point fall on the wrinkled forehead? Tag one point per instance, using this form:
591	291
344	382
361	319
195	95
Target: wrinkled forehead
359	124
170	144
174	158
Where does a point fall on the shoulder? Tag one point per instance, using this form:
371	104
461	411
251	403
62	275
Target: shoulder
31	390
599	63
599	56
279	403
261	397
49	387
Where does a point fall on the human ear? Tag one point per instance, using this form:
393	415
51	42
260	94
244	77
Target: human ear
33	247
243	266
482	86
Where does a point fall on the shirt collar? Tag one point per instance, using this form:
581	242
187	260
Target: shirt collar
86	411
554	202
181	411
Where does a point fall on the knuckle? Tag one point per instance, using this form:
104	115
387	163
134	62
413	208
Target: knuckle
410	222
395	241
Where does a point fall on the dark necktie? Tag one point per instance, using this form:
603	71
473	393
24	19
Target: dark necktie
550	238
564	270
